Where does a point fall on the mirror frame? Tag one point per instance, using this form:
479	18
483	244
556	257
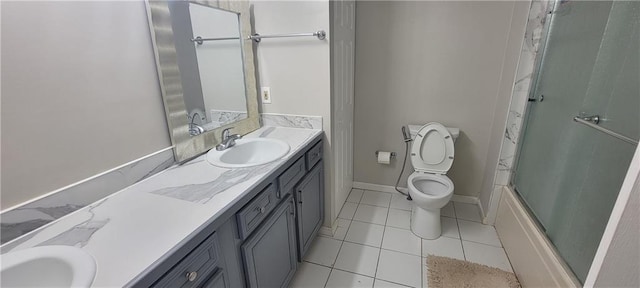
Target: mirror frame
185	146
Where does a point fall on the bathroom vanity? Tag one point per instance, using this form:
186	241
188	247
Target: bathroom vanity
260	239
199	225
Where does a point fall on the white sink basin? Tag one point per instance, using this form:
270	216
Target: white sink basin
249	152
47	266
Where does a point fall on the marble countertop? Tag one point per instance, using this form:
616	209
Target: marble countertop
128	231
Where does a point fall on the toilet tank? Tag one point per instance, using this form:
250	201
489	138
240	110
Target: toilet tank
413	130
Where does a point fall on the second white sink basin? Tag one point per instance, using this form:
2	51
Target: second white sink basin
249	152
47	266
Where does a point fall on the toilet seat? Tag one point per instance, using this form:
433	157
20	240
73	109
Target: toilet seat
430	186
432	150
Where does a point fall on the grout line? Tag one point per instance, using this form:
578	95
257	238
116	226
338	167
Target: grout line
327	281
453	206
372	277
384	231
314	263
464	254
403	285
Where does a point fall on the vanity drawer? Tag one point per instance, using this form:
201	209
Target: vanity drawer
252	214
291	176
314	155
194	268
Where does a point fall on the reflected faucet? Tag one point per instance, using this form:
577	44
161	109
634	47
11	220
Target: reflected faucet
228	141
195	129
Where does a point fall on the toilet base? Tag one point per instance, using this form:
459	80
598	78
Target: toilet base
426	223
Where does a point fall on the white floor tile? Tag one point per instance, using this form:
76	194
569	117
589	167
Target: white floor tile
371	214
467	211
341	231
341	279
448	210
348	209
401	240
478	232
449	227
384	284
376	198
443	246
399	201
400	219
358	258
425	278
487	255
323	251
310	275
365	233
355	195
400	268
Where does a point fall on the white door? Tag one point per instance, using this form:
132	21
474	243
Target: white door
342	70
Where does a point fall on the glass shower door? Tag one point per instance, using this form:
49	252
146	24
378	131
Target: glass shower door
567	173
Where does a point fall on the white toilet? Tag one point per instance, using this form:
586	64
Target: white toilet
432	154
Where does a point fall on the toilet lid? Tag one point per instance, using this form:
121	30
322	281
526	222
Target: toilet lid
432	149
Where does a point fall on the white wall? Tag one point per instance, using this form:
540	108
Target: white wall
297	69
425	61
219	62
80	93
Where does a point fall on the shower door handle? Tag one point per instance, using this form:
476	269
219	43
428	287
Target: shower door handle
536	100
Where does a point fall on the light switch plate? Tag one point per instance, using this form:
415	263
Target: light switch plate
265	95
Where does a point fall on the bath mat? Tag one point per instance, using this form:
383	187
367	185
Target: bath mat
444	272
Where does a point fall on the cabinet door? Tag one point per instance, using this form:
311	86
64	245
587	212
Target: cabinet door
310	204
270	254
216	281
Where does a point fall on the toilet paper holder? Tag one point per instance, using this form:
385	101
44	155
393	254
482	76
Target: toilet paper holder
393	154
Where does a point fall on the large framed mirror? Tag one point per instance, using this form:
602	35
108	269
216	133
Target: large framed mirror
206	70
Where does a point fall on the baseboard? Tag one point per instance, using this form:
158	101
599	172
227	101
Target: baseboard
465	199
329	231
391	189
533	258
378	187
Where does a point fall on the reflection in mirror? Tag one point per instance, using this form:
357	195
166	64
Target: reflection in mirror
211	71
207	76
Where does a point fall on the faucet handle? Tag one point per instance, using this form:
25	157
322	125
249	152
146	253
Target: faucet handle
225	133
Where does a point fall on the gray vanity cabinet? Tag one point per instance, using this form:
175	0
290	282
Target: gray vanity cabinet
257	242
270	254
309	195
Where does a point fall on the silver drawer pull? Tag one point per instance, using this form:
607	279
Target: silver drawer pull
261	209
191	276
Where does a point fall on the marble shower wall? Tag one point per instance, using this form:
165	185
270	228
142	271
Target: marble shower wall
520	94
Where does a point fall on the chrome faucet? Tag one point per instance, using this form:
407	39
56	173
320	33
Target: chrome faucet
194	129
228	140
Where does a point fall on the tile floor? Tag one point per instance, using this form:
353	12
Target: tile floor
374	247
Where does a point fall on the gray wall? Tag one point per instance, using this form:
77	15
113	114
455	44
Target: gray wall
503	100
418	62
298	70
80	93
